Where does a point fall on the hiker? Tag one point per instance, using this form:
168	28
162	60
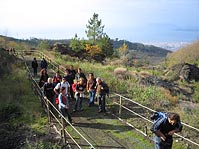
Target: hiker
79	94
48	91
91	83
74	85
64	104
43	64
34	66
164	128
72	72
70	81
65	84
80	74
57	78
102	90
43	77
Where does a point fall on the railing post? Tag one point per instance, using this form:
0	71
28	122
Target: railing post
145	130
48	110
120	108
63	129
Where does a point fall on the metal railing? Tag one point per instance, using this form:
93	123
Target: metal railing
46	104
120	104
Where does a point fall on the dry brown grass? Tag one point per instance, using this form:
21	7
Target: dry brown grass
188	54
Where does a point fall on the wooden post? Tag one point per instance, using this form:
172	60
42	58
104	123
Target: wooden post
120	108
63	129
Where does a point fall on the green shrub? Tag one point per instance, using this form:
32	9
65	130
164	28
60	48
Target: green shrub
196	93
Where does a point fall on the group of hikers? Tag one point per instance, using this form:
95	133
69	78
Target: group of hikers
73	85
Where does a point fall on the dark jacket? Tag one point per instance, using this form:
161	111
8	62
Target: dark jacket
48	90
34	64
44	64
102	88
165	127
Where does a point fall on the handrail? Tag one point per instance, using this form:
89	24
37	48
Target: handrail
49	60
150	120
47	101
151	109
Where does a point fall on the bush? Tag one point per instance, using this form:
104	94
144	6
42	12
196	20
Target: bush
122	73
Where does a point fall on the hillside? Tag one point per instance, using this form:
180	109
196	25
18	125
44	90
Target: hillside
141	52
139	47
153	92
187	54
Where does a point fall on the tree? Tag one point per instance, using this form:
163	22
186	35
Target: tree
106	45
95	29
44	45
76	44
123	49
93	50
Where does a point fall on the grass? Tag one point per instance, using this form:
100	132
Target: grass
146	95
126	134
19	107
151	96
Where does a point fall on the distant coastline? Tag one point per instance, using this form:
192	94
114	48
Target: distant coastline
172	46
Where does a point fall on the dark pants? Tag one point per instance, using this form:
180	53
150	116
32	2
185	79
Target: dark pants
160	144
35	71
102	103
71	92
51	99
65	112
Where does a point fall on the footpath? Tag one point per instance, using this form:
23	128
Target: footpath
103	131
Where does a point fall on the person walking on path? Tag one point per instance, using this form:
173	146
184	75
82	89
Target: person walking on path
64	104
70	81
79	94
102	90
48	91
57	78
34	66
80	74
164	128
72	72
65	84
44	64
43	77
91	83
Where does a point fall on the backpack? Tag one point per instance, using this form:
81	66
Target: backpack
74	87
56	100
156	115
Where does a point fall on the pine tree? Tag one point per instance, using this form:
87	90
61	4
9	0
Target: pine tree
95	29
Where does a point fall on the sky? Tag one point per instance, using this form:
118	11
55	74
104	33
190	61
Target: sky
132	20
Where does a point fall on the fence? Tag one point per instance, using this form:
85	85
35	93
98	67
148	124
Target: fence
145	132
120	102
46	104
